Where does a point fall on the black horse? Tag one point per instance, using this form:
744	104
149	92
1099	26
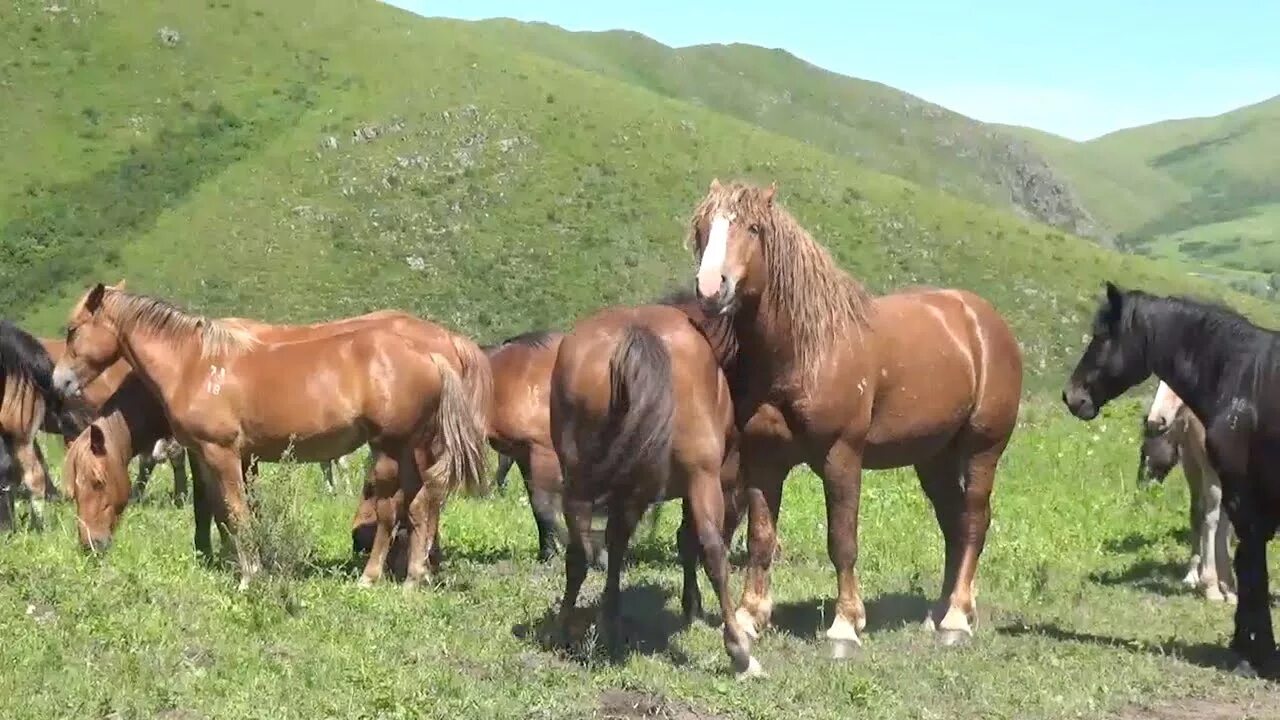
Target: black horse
1227	370
23	360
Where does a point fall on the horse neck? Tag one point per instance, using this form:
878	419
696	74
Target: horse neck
1202	372
161	366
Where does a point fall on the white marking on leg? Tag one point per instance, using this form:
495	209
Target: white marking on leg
711	269
843	630
754	670
956	621
747	623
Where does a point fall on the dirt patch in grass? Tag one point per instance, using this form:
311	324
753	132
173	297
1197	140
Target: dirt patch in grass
1264	706
630	704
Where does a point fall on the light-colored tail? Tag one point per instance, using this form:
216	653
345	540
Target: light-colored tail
460	428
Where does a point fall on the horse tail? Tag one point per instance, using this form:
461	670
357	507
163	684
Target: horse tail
461	424
638	428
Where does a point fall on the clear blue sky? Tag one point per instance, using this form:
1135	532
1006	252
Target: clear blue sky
1079	68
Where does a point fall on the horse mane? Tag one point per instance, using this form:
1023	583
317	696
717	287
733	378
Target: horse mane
1214	338
534	338
717	330
805	291
26	375
168	322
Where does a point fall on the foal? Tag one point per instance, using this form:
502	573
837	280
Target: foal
1173	432
640	411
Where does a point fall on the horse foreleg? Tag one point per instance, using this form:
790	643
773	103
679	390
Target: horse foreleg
326	469
50	489
178	463
762	476
201	508
1201	539
34	478
842	485
7	471
226	466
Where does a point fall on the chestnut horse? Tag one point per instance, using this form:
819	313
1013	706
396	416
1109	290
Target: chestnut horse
641	412
1171	432
416	393
830	376
96	467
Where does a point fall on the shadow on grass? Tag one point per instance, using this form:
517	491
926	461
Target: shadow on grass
1206	655
1162	577
890	611
648	625
1135	541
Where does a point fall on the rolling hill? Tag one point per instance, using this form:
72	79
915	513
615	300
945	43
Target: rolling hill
275	163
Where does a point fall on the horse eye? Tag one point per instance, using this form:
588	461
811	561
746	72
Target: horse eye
754	229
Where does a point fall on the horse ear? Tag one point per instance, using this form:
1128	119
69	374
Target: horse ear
119	285
93	300
769	192
715	184
1114	294
97	441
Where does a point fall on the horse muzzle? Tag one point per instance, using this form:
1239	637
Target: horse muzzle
65	382
1079	402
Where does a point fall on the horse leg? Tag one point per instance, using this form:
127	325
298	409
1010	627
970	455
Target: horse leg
326	469
687	542
7	468
424	511
542	479
1221	541
33	479
384	473
763	477
980	474
577	519
225	464
1201	551
178	463
941	478
705	517
1253	638
842	485
201	509
624	516
50	490
504	468
146	464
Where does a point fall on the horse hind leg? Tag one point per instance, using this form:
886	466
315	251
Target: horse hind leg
942	479
34	479
424	512
542	480
384	474
624	516
326	469
51	492
974	521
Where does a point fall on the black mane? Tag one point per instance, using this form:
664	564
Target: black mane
1203	342
24	359
533	338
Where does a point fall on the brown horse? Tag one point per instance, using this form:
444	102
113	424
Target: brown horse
96	467
833	377
640	412
415	392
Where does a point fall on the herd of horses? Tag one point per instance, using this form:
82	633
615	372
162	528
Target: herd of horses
777	358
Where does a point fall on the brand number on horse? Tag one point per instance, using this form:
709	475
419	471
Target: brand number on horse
216	376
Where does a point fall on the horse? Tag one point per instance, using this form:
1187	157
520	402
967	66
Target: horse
1171	432
94	398
415	392
834	377
27	397
95	469
640	412
1225	369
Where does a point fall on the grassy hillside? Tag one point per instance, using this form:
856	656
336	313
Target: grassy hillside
270	163
1203	189
881	127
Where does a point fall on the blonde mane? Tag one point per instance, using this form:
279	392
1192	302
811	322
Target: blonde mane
161	319
805	290
21	407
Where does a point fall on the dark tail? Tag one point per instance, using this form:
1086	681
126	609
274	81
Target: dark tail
638	430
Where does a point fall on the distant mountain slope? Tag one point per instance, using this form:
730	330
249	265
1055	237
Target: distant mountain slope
274	163
880	127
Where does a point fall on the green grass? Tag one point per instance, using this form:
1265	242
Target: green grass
502	191
1081	611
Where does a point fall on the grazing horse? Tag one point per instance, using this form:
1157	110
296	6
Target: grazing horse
1172	433
415	392
96	467
1225	369
640	412
830	376
27	397
94	398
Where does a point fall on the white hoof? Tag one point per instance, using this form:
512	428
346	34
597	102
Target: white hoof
955	627
754	670
364	582
844	638
244	583
747	624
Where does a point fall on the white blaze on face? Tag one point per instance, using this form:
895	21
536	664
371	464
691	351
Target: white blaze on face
1165	406
712	267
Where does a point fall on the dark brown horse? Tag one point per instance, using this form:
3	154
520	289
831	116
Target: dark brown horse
830	376
640	412
415	392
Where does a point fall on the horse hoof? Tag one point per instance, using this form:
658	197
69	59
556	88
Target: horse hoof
747	623
844	649
952	638
364	582
754	670
1245	670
